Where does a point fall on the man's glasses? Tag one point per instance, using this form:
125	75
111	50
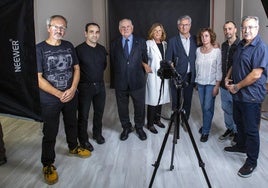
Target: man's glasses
248	28
184	25
55	27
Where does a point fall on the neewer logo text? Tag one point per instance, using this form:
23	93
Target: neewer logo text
16	55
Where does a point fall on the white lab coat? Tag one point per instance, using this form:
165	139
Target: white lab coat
153	81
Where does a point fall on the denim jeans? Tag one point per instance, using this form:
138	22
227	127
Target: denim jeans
51	117
95	93
247	117
227	107
207	102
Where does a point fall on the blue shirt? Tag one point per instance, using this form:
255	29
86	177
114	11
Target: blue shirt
130	42
247	58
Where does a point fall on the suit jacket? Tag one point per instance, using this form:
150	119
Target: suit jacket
128	74
176	53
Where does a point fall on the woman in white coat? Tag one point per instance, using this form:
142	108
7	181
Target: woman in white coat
156	47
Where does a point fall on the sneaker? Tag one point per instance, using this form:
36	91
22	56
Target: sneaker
80	152
226	135
246	170
87	145
204	138
50	174
234	149
234	140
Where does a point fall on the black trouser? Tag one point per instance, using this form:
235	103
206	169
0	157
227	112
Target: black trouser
153	114
138	99
2	145
51	118
95	93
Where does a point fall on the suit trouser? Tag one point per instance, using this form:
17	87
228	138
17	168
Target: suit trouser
138	99
95	93
2	145
51	118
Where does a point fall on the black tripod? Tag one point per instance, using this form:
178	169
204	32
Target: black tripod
177	117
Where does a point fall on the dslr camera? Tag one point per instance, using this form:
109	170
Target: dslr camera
166	71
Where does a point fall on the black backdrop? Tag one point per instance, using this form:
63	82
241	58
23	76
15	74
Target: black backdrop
144	13
19	94
265	6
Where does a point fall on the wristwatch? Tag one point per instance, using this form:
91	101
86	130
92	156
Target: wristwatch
235	88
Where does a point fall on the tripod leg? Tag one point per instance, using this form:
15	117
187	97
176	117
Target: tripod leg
175	137
157	162
200	161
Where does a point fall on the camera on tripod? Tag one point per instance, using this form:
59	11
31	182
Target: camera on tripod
167	71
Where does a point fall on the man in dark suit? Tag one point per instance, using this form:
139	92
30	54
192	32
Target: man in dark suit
181	51
129	63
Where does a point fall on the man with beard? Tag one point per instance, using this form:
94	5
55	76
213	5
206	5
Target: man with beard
58	77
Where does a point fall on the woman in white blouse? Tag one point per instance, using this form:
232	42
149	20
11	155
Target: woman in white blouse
208	77
156	47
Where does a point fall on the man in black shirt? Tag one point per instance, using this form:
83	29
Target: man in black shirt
93	61
228	48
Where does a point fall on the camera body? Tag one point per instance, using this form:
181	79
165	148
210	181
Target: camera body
166	71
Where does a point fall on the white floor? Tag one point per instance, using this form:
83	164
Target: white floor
128	164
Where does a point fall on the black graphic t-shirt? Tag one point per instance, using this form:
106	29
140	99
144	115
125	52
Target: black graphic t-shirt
56	64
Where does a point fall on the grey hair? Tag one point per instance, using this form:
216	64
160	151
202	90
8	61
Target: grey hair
125	19
184	17
55	16
246	18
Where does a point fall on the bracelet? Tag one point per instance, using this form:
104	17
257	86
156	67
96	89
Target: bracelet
235	88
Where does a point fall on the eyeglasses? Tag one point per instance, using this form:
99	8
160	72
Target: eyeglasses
248	28
55	27
184	25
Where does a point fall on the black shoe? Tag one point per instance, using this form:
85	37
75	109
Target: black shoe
234	149
3	161
125	132
87	146
204	138
159	124
228	133
246	170
200	130
99	139
152	129
234	141
141	134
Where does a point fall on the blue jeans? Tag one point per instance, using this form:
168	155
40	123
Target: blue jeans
247	117
51	117
207	102
95	93
227	107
